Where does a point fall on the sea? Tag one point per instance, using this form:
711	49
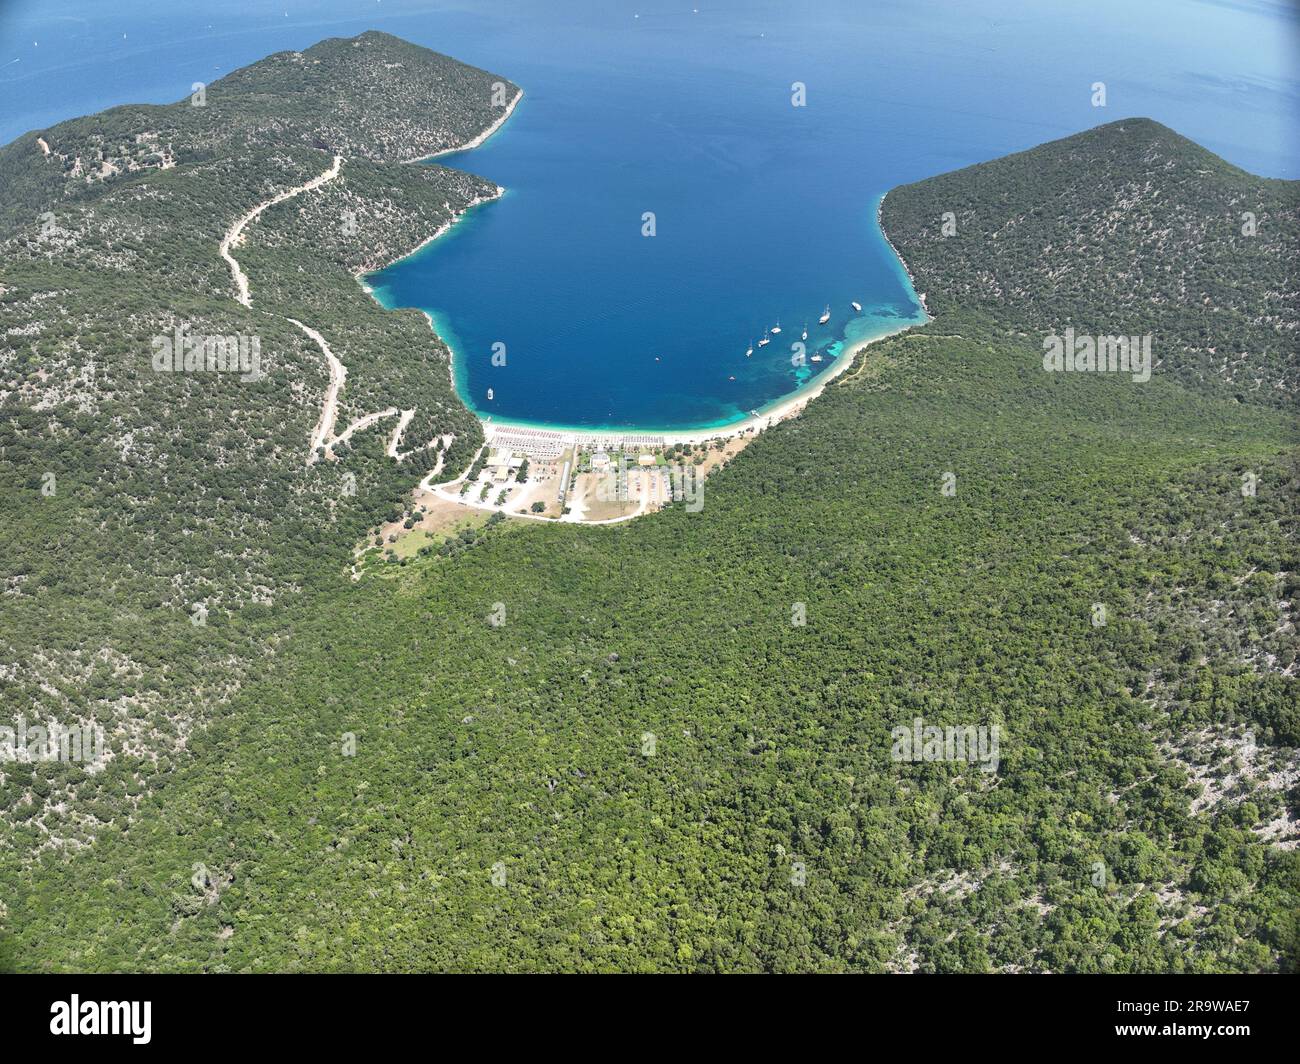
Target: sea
684	178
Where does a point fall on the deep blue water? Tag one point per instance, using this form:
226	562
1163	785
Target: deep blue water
764	211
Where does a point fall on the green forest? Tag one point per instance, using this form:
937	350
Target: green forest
663	745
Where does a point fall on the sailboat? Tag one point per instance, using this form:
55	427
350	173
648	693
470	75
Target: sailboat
750	350
805	331
826	315
766	339
777	327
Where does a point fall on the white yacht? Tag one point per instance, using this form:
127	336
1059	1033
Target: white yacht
826	315
777	327
766	339
856	306
489	395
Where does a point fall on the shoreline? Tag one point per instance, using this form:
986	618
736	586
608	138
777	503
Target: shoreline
880	224
478	141
456	216
362	273
365	271
782	409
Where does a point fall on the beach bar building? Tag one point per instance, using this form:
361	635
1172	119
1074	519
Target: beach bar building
501	463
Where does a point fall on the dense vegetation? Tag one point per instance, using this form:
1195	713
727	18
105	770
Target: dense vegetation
134	502
595	748
371	97
1134	230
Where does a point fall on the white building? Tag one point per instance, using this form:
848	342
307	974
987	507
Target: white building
501	463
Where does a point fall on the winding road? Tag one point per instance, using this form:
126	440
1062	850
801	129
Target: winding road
235	234
322	436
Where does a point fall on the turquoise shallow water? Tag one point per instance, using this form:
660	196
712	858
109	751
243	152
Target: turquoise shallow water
682	384
764	211
604	326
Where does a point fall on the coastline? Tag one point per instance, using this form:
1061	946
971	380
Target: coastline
477	141
456	216
880	224
478	200
780	410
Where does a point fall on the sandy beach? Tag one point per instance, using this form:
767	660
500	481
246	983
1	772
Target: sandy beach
790	406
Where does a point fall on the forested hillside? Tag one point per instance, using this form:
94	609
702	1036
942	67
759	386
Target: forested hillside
156	522
1127	228
370	97
615	748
